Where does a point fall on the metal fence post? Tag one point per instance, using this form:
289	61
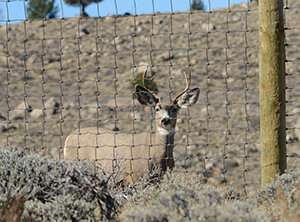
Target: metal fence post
272	90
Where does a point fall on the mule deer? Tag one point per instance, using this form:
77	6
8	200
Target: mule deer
134	154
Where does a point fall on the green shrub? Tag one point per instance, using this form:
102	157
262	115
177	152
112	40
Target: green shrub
148	82
82	4
197	5
41	9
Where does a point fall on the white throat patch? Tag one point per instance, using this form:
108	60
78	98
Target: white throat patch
165	132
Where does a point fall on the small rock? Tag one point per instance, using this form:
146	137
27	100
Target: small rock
31	60
139	23
5	128
235	18
2	128
216	181
208	27
167	57
119	40
295	111
231	163
159	21
36	113
297	128
291	138
2	117
84	31
69	105
139	29
52	106
210	164
20	110
294	155
194	61
230	80
184	137
208	109
253	149
180	120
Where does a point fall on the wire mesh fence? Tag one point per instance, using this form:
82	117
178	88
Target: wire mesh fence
292	95
76	75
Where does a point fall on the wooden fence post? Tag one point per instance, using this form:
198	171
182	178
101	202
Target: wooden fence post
272	90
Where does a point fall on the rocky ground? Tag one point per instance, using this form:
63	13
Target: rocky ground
61	75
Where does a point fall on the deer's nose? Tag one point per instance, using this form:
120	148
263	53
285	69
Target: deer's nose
165	121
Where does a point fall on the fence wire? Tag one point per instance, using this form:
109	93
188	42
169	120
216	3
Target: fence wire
292	80
76	75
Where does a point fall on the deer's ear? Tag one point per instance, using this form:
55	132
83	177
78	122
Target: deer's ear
145	97
188	98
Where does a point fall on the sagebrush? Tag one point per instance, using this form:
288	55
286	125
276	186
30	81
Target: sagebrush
55	190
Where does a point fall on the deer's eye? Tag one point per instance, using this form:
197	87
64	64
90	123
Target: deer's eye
157	108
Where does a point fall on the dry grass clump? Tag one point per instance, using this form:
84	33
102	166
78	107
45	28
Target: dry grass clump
52	190
282	198
183	197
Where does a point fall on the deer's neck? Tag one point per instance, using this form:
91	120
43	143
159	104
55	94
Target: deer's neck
167	141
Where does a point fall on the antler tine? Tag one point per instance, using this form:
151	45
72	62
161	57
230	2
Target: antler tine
144	76
188	84
143	79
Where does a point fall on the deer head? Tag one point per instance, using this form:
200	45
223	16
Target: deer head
166	114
